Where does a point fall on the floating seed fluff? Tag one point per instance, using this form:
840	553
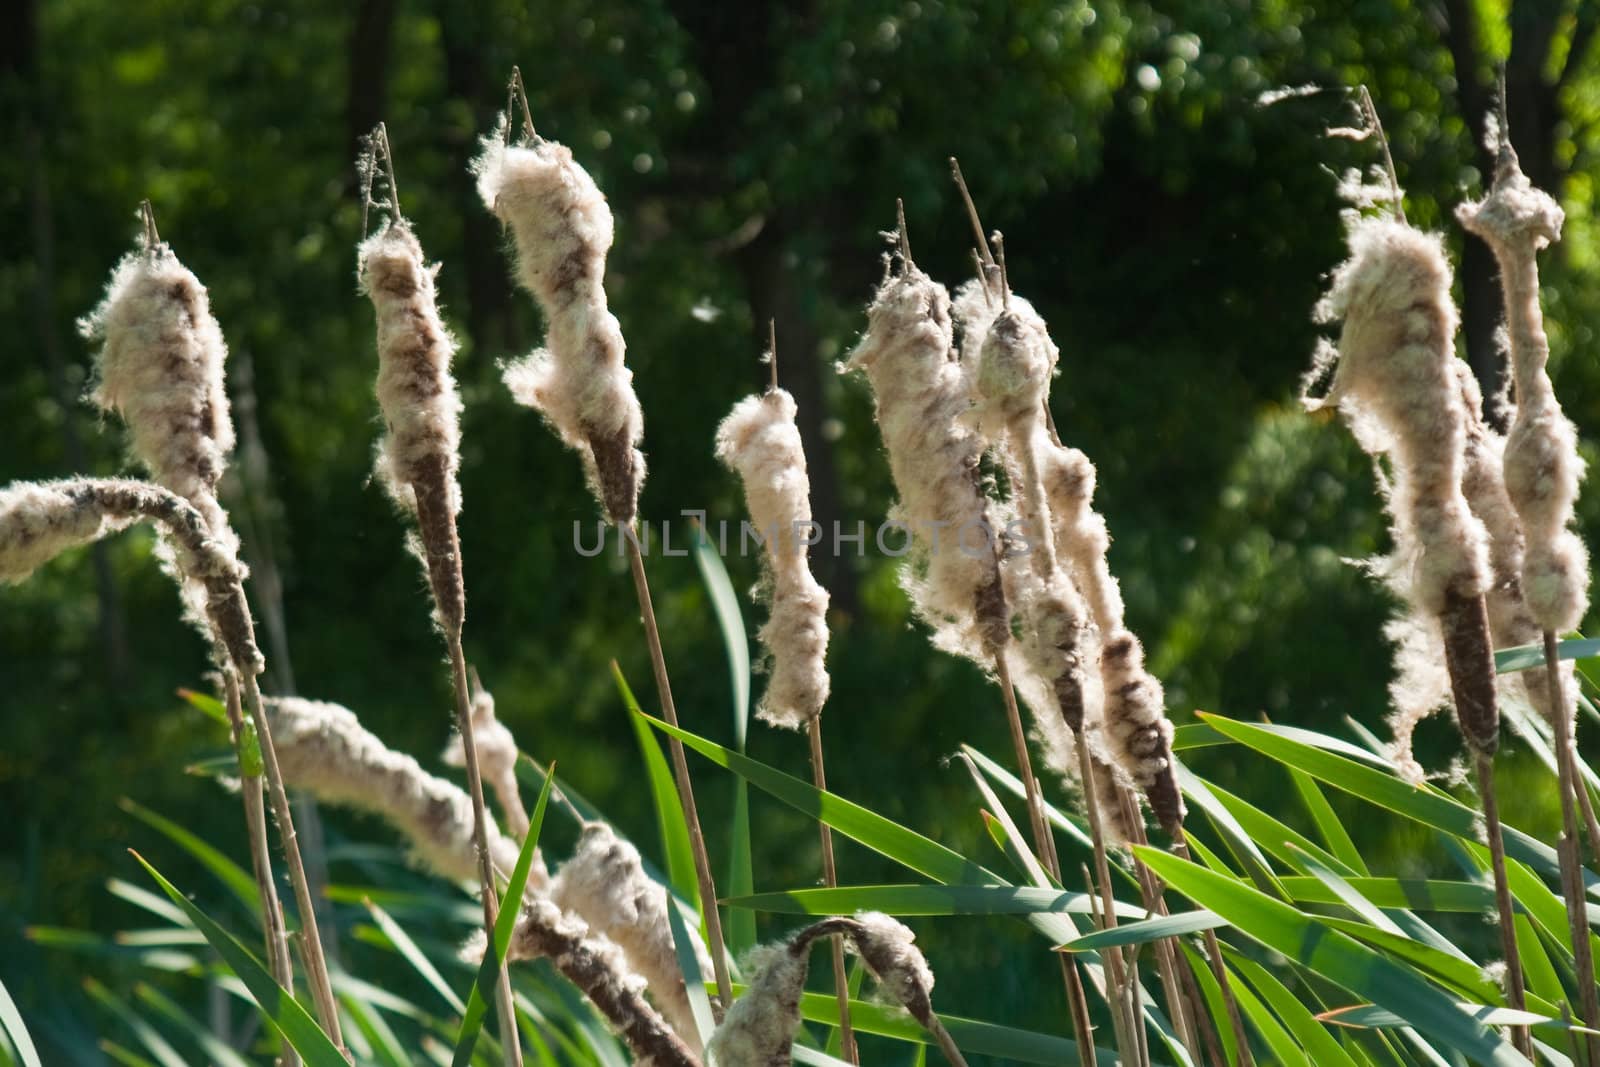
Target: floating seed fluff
562	228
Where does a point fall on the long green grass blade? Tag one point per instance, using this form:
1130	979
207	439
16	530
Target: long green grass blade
1420	804
125	1056
904	846
1329	825
1285	1050
1522	657
664	795
741	870
385	1045
239	881
218	1053
693	980
1233	835
730	621
483	989
927	900
280	1010
1145	930
1313	1036
413	954
16	1030
1334	955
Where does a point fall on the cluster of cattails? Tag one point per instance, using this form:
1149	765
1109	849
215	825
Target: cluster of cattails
1481	551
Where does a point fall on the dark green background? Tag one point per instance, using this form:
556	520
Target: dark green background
1174	232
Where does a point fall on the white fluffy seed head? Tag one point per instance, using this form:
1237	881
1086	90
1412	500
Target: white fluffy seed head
562	229
1010	361
497	760
1396	384
760	441
160	368
41	520
416	393
887	946
934	457
760	1027
605	885
324	749
1542	466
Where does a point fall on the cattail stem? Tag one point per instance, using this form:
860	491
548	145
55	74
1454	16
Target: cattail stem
1123	1024
1078	1011
255	817
1515	998
1041	834
1165	955
316	965
1571	870
1152	892
1220	972
830	878
504	1003
680	769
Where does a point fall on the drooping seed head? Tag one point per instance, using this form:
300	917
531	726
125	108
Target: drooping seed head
562	229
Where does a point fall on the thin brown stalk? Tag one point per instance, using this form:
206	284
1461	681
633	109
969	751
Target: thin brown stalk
680	769
442	547
1078	1009
1515	997
255	817
830	878
1152	892
305	907
1220	972
1165	948
1111	971
1571	869
1041	833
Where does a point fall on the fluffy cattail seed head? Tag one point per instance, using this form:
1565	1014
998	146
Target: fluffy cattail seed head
760	1027
761	442
497	760
323	749
921	397
605	885
1542	466
160	367
420	451
1396	386
562	229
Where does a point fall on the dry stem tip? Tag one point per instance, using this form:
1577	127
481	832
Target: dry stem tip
1369	114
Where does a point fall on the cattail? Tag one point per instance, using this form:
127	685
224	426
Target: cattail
420	451
324	749
1542	472
760	1028
160	367
562	229
597	968
1396	386
497	760
953	579
41	520
604	884
1483	482
760	441
1542	466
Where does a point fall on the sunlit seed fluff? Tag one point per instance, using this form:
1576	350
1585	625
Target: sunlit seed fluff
323	749
934	458
1542	466
416	393
1395	384
1133	720
760	441
41	520
497	760
160	367
605	885
597	967
887	946
760	1027
562	229
1111	793
1483	482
